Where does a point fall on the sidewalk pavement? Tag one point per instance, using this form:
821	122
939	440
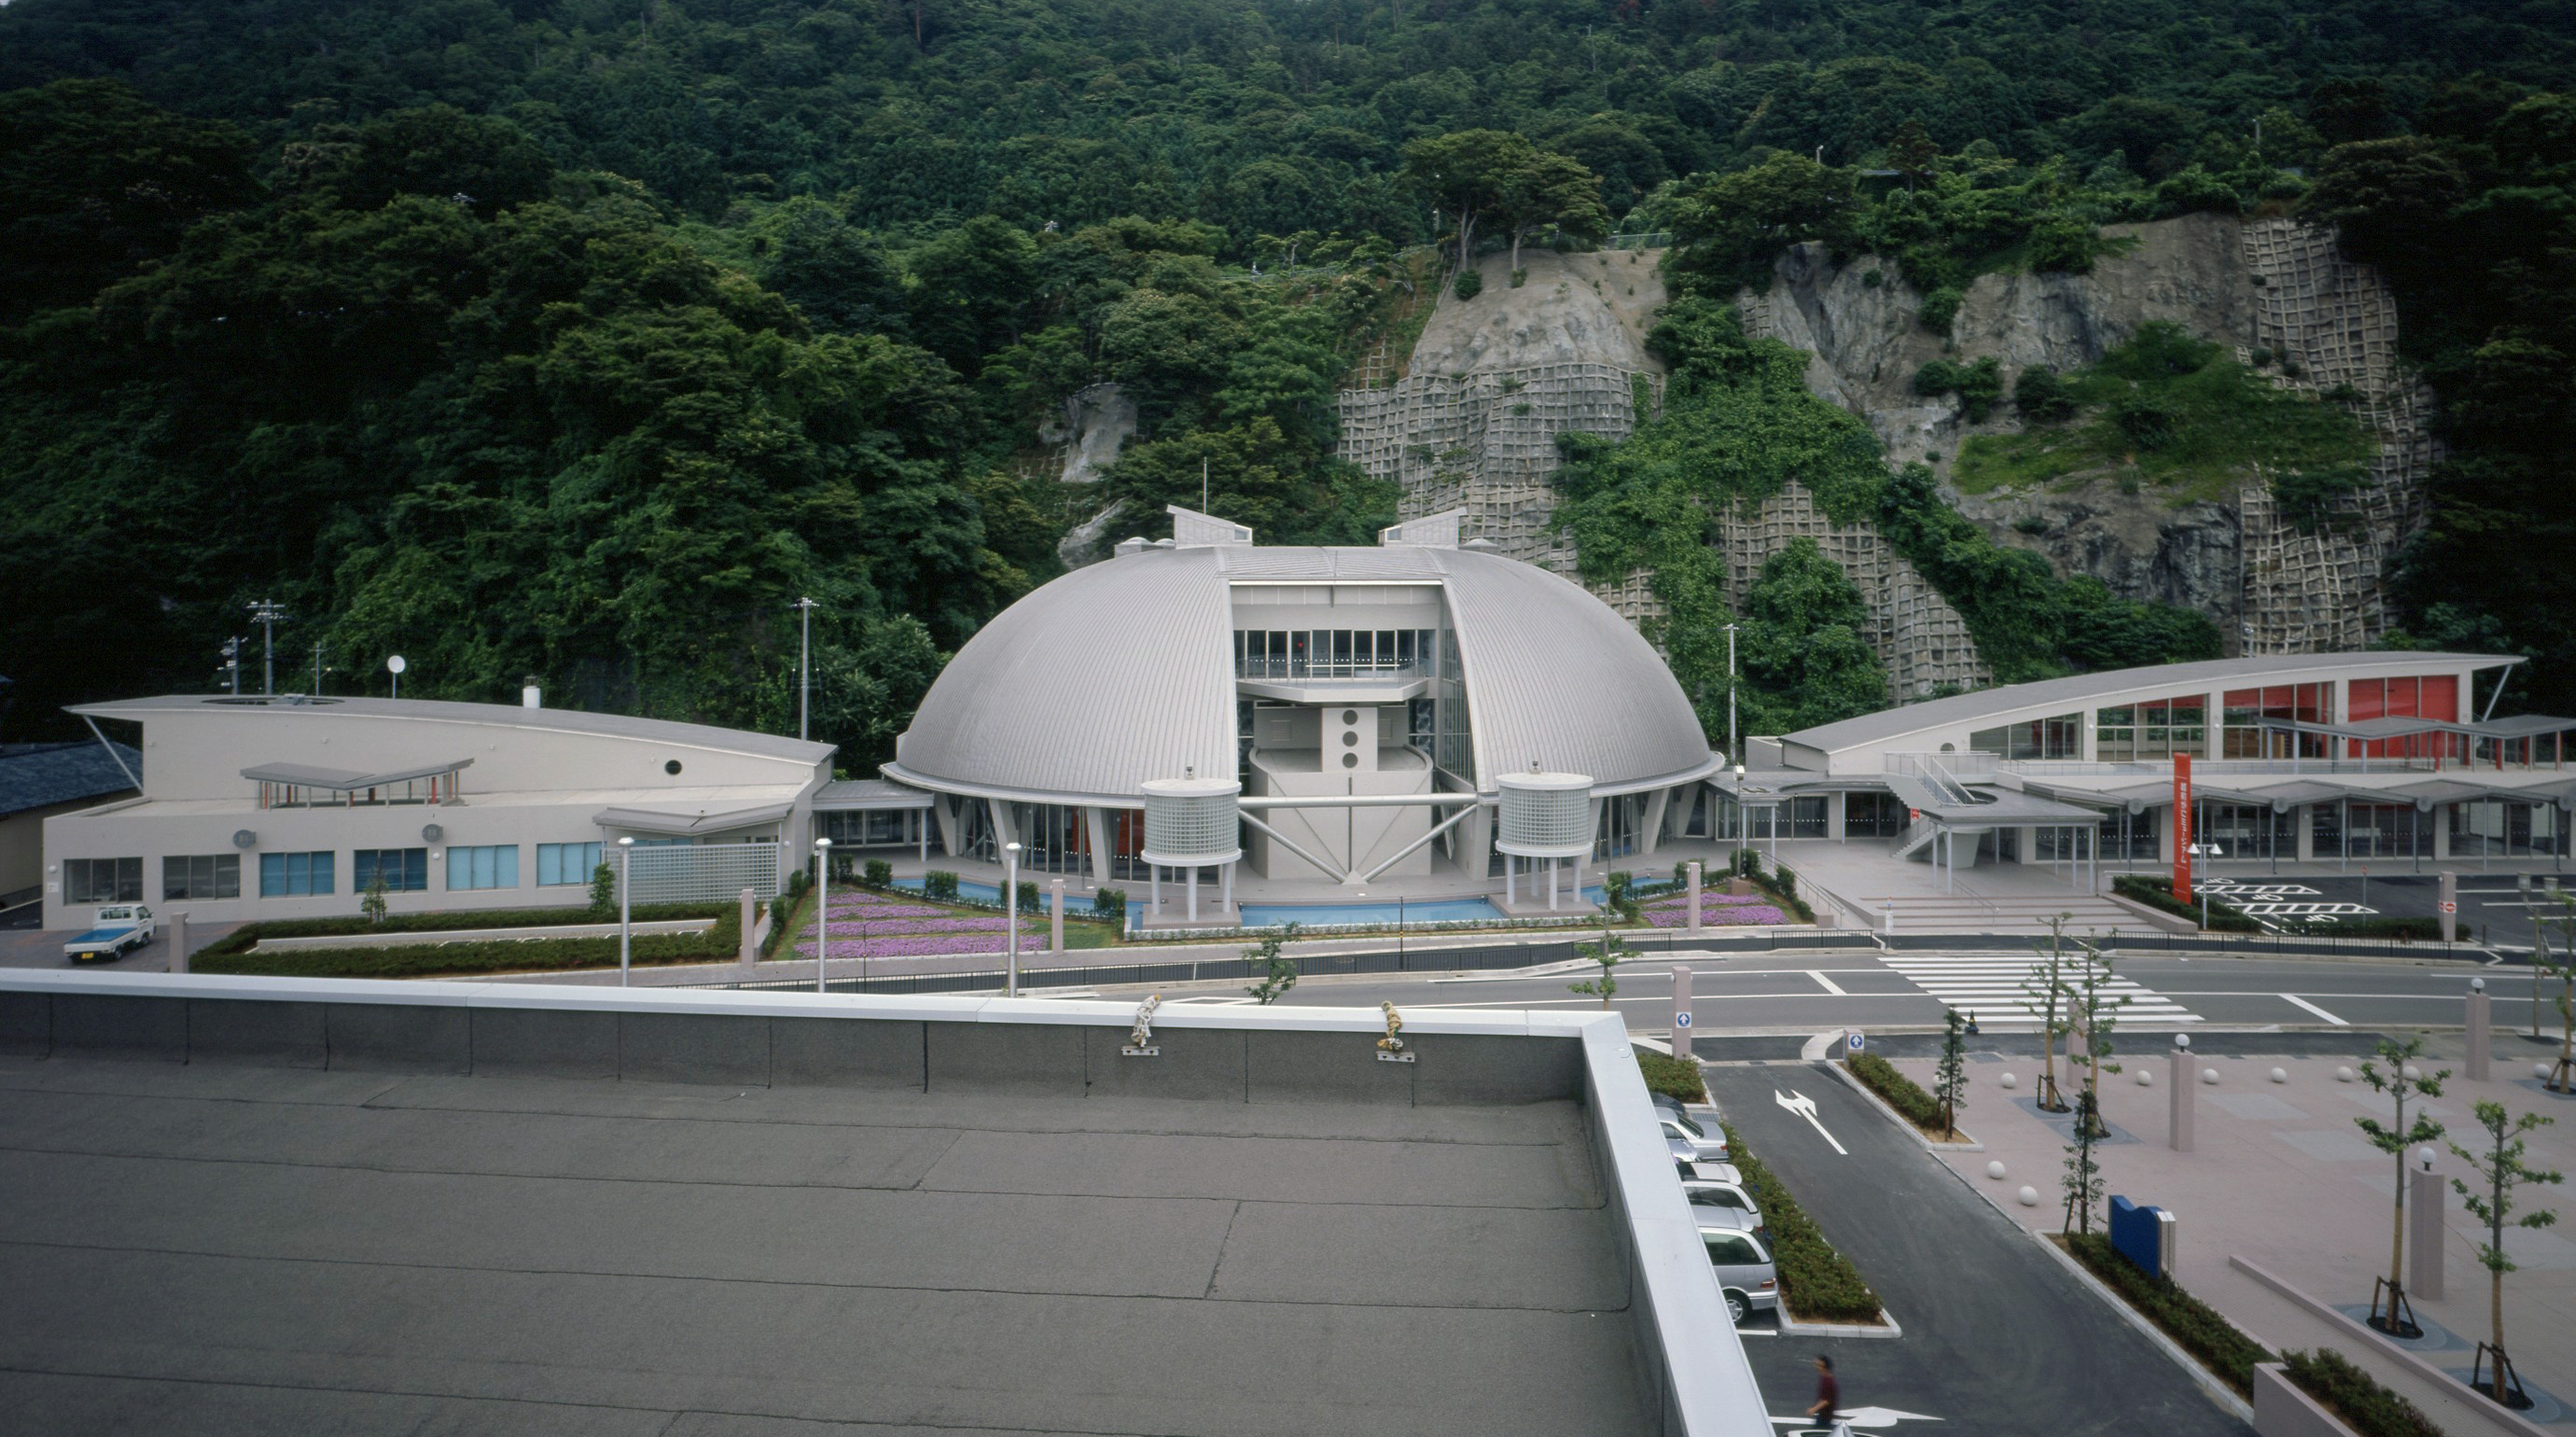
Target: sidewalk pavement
2281	1176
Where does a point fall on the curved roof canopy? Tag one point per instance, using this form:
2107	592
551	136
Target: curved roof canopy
1124	671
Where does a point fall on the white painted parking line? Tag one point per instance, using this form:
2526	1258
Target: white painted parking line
2313	1008
1829	984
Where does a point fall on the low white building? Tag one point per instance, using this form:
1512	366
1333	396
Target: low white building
291	807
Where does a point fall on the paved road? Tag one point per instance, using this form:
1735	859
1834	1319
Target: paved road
1808	993
1998	1338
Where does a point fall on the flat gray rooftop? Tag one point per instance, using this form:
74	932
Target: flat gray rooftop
208	1247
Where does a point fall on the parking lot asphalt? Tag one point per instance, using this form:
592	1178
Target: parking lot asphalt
1997	1336
2492	909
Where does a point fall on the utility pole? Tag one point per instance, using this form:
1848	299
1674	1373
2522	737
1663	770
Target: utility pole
317	669
1733	755
804	663
266	613
232	662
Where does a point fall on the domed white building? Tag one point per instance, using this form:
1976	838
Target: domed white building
1370	706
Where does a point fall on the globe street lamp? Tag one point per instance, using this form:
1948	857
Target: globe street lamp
625	908
1011	917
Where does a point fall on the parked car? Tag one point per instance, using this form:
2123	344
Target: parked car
1706	1195
1707	1115
1711	1172
1745	1274
114	931
1704	1145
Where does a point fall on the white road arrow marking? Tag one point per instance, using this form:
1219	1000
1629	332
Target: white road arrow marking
1861	1417
1805	1107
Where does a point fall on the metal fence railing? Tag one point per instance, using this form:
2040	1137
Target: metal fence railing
702	872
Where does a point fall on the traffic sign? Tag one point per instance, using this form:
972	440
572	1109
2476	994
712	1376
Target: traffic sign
2450	907
1681	1019
1853	1041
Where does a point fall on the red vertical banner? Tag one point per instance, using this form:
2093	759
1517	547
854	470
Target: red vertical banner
2182	828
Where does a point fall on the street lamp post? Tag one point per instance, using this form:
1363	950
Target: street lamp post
625	909
1011	918
822	908
267	613
804	662
2204	850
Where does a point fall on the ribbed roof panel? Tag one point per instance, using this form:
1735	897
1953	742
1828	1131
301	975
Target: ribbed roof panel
1111	675
1555	676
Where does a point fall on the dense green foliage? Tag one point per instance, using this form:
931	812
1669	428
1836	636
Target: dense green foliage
2167	411
1671	1076
1817	1283
1738	426
2367	1405
546	338
2201	1329
234	952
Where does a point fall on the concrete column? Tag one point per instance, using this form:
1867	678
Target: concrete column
749	950
1095	823
2423	1232
1193	882
1055	915
1836	806
2440	818
1227	902
2303	827
2450	908
1681	1010
2183	1096
1156	870
1650	828
2480	1032
1692	923
178	941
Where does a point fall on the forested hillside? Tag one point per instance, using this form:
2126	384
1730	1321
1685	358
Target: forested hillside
575	341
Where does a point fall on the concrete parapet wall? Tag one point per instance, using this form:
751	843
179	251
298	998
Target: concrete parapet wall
2282	1410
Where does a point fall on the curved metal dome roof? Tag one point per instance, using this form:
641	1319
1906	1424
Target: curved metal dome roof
1124	671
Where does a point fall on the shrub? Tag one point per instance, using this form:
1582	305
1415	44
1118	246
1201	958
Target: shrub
939	884
1940	308
2031	524
1672	1077
2042	397
1468	284
1111	904
2197	1326
2357	1397
2261	358
1880	1077
1817	1283
1980	386
431	960
1519	277
2157	893
1873	279
1030	902
2147	421
880	874
603	891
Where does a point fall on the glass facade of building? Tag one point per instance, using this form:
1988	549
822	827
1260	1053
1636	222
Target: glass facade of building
2059	737
2151	731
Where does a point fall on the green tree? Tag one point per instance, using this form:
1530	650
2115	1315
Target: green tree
1606	955
603	891
2083	1183
1729	227
1950	1077
2398	1081
1278	969
1468	175
1551	190
2500	1161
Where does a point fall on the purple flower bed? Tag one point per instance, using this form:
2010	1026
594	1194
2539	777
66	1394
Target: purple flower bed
1739	914
879	908
946	923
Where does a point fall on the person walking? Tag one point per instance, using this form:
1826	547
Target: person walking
1829	1397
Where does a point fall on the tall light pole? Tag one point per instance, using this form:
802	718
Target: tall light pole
232	662
395	666
625	909
266	613
317	668
1011	917
805	608
822	908
1732	752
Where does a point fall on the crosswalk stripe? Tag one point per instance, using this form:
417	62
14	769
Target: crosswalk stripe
1995	988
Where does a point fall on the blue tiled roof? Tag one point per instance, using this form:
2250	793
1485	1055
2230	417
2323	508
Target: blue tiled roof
38	775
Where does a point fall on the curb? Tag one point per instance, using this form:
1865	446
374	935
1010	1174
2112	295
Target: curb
1903	1123
1791	1327
2216	1390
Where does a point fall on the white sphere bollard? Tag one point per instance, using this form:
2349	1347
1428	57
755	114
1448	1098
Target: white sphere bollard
2280	1075
2009	1082
2345	1075
2029	1197
2411	1072
2540	1071
2209	1076
2146	1078
1995	1169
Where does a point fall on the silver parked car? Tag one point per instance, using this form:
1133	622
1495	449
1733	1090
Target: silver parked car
1704	1146
1745	1275
1705	1194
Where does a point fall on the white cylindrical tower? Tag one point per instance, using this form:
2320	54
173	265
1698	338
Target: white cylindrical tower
1190	823
1544	815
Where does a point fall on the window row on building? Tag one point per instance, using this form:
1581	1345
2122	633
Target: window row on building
207	876
1335	653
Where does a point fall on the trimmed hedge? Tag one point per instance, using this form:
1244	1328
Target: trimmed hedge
720	944
1673	1077
1919	1107
799	909
2403	929
1817	1283
2157	894
2366	1406
446	922
2186	1319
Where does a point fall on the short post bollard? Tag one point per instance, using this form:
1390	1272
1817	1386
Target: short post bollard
1055	915
1691	924
2479	1031
1681	1024
2182	1096
2424	1228
179	942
